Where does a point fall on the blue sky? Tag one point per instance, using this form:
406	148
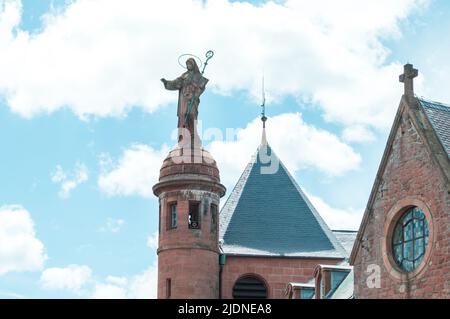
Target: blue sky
85	122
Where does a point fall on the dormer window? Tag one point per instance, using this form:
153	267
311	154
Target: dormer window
306	293
337	277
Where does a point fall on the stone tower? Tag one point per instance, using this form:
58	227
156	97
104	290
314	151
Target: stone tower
189	192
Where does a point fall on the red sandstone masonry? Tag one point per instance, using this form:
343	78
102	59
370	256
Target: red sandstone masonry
193	273
188	257
277	272
410	173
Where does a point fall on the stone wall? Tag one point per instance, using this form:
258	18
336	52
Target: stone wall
411	177
276	272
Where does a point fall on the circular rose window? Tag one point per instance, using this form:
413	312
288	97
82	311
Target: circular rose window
410	239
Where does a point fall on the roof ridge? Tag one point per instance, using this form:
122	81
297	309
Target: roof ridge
434	104
344	230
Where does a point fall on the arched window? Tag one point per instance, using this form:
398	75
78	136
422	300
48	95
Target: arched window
249	287
410	239
194	215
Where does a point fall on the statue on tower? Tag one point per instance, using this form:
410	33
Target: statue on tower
190	85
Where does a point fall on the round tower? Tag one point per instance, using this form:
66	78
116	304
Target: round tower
189	192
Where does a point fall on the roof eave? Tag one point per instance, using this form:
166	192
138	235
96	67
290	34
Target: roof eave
334	257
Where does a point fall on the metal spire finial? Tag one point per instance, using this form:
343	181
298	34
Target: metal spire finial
263	114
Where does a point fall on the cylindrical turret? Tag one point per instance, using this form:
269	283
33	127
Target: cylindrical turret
189	192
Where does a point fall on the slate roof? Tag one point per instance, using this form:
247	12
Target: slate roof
269	215
346	238
439	116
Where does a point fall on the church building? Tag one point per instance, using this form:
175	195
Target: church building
402	248
268	241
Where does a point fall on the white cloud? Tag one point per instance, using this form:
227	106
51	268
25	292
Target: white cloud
72	278
153	240
112	225
119	281
108	291
20	249
144	285
297	144
357	134
337	218
135	173
11	295
140	286
79	279
69	180
102	62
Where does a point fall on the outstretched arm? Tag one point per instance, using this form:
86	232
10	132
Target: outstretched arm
173	85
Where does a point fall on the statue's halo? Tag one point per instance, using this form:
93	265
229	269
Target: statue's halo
187	56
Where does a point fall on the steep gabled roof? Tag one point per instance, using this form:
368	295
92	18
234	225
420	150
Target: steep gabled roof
269	215
431	121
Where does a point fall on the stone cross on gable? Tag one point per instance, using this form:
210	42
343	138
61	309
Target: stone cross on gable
408	79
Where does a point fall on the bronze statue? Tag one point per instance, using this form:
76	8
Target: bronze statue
190	85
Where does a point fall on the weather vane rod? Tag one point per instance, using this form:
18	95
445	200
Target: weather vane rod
263	105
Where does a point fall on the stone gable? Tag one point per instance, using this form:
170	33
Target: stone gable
409	176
